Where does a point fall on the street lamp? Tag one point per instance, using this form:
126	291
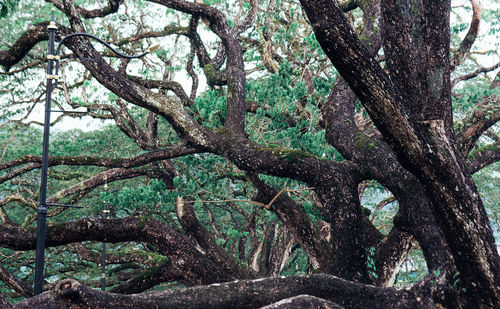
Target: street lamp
53	56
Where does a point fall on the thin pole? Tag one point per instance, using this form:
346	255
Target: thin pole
103	256
42	208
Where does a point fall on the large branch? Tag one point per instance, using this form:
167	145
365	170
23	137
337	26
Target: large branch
402	57
26	42
414	215
239	294
362	72
186	259
135	161
415	56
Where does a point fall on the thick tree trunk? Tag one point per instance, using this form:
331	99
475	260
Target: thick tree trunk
424	148
341	208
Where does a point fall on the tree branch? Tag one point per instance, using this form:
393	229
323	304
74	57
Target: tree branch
235	109
111	8
390	255
136	161
193	228
474	74
485	114
297	221
401	53
303	301
15	284
483	157
239	294
461	54
26	42
151	277
186	259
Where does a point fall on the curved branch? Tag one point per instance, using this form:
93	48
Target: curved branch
474	74
249	19
486	113
19	171
26	42
168	30
111	8
173	86
390	255
460	55
88	185
20	199
483	157
303	301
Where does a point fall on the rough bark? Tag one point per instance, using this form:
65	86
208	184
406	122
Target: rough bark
303	301
193	228
420	163
17	285
237	294
186	259
424	148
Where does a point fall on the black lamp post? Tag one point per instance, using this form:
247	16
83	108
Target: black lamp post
105	213
53	56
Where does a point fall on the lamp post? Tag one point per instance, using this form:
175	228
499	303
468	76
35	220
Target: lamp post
105	213
53	58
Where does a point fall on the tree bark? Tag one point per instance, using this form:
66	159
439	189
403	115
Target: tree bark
238	294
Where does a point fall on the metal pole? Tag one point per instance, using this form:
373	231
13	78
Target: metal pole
103	257
42	208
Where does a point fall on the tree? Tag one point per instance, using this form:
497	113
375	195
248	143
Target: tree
305	105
